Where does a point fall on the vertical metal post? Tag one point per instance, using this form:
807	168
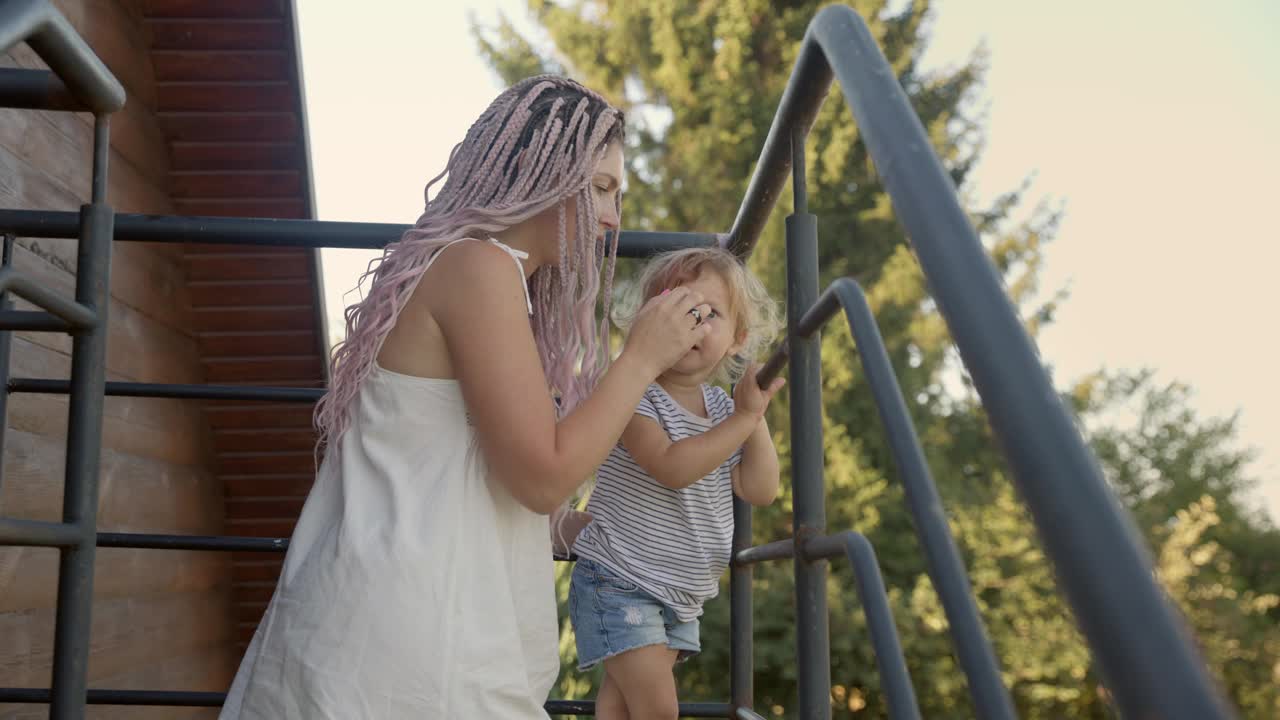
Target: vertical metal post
84	444
813	655
741	646
6	342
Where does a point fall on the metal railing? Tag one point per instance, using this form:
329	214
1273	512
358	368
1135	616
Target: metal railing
1143	648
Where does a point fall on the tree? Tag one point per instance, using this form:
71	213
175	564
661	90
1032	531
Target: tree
701	81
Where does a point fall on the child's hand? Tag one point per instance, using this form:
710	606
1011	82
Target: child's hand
749	398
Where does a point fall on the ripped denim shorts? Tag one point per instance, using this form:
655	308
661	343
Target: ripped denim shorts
612	615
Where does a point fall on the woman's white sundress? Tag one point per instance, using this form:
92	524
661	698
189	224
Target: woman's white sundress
414	586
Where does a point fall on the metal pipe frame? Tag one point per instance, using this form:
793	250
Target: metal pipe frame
74	314
741	643
18	532
84	445
869	586
33	321
80	75
6	343
946	569
176	391
82	82
1144	649
172	698
813	643
287	233
224	543
22	88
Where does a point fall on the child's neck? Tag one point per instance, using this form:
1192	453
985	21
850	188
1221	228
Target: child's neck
686	390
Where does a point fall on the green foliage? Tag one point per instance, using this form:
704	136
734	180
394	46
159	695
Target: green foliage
701	80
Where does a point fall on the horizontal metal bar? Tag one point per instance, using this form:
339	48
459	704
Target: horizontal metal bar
38	533
284	233
173	698
644	243
35	90
79	316
187	392
192	542
32	321
226	543
168	698
687	710
780	550
58	44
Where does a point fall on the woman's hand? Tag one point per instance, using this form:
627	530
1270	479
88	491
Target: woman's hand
666	329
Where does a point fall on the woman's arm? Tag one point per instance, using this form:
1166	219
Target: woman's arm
474	295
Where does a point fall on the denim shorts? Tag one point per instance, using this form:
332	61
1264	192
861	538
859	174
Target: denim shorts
612	615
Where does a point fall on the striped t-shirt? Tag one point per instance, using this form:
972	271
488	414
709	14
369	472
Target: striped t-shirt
673	544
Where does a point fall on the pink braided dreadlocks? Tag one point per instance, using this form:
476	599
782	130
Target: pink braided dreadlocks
536	146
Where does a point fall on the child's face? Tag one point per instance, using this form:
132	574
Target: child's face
703	359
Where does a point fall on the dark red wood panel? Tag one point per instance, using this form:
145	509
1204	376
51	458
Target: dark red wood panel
213	8
227	99
216	34
214	345
214	155
244	184
209	127
251	292
285	265
240	207
222	65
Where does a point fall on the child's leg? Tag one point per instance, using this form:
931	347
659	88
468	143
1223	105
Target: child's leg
644	678
609	702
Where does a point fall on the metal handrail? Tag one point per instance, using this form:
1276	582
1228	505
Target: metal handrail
869	585
133	227
1143	646
57	43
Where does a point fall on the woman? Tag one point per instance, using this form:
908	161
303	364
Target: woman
469	401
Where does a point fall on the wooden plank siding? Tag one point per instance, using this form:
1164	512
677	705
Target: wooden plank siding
161	620
213	125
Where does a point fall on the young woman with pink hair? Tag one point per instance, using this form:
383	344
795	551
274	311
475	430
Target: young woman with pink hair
470	400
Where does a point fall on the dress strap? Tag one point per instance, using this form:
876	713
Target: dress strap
517	255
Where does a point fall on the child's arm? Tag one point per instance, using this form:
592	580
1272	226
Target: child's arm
680	464
755	478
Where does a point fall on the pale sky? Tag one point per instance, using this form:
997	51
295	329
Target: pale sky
1155	123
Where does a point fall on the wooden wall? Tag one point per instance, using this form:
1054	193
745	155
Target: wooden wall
161	619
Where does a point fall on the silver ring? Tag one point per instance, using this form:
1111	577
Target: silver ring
697	316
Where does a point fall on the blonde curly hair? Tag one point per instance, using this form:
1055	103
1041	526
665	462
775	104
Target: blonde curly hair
757	321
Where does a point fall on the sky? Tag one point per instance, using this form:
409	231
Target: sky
1155	125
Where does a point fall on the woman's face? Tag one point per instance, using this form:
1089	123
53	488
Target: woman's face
606	184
